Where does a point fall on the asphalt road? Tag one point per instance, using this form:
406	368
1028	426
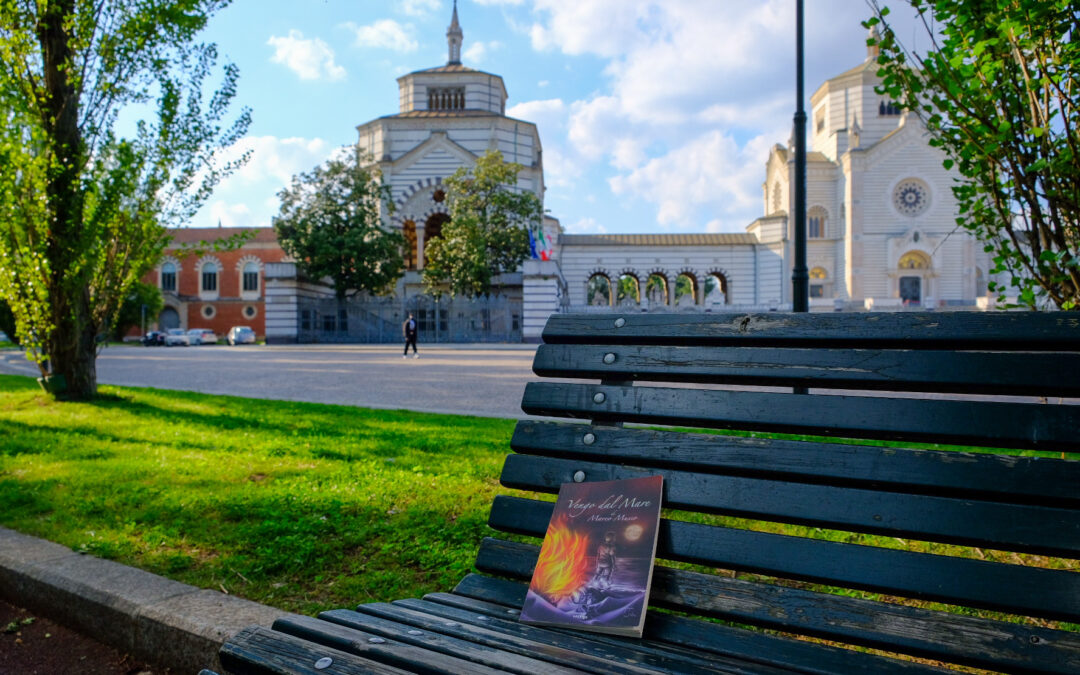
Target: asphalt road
463	380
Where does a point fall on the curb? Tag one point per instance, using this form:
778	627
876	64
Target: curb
162	621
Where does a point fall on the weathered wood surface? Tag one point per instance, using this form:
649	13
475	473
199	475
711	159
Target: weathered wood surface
1027	331
1008	373
409	655
972	641
1032	591
261	651
704	640
1010	527
984	423
573	650
444	644
1003	478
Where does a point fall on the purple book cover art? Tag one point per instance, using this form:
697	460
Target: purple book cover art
595	564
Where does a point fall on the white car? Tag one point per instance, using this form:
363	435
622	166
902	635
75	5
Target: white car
202	336
177	336
241	335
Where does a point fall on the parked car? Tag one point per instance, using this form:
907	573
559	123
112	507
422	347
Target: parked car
202	336
154	338
177	336
241	335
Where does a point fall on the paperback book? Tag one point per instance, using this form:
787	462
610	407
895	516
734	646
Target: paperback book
595	566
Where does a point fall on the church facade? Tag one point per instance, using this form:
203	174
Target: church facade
880	214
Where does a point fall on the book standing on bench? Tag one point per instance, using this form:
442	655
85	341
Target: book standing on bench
595	566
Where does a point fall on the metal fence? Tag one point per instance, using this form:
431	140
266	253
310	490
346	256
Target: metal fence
379	320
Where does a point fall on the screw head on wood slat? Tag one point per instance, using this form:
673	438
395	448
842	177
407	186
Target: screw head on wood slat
416	632
588	439
599	397
452	624
620	322
324	663
481	617
579	476
609	358
376	640
513	611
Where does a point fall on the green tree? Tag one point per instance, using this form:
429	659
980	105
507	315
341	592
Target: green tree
142	300
83	208
999	90
331	222
7	321
487	231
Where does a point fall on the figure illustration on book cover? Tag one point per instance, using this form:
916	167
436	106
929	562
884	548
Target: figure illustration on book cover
596	559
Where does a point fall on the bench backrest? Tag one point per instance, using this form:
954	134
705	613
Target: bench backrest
832	494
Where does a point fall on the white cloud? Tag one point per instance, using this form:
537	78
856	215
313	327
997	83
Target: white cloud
695	94
384	34
543	83
478	51
711	171
419	7
231	215
241	199
586	226
310	59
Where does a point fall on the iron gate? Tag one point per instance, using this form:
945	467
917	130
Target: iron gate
376	320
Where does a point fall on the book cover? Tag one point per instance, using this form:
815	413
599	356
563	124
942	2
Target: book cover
595	566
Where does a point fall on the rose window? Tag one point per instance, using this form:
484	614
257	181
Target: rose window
911	198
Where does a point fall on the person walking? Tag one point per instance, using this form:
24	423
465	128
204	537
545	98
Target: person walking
409	330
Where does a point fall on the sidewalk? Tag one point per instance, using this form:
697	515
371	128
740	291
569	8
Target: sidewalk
164	622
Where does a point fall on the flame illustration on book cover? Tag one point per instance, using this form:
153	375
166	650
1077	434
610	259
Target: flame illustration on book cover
595	565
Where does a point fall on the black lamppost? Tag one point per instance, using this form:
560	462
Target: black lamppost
799	276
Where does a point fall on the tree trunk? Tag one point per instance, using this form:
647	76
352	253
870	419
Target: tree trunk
71	349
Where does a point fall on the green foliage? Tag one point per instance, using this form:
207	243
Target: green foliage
83	211
131	312
331	223
487	232
999	91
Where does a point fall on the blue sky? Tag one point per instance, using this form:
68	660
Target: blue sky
654	115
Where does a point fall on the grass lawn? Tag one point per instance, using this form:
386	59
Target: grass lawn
298	505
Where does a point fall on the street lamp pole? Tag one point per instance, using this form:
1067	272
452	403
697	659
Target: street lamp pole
799	276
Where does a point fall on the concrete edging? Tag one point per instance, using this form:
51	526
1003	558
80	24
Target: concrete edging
162	621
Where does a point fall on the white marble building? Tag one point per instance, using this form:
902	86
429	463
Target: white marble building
880	214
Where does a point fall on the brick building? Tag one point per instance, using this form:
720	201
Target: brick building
215	289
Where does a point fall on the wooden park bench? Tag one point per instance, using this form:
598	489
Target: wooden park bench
817	511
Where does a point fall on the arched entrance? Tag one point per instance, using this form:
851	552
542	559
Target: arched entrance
433	229
169	318
913	268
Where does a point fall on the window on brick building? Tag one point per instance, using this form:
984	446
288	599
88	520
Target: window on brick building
251	277
209	277
168	277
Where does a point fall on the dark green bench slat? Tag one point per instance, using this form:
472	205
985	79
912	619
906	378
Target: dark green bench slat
979	423
1027	331
644	645
1015	589
1011	527
391	651
897	628
443	644
1031	480
714	639
646	653
261	651
574	651
1033	374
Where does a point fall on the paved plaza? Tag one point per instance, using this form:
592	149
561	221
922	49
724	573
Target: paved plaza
486	380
